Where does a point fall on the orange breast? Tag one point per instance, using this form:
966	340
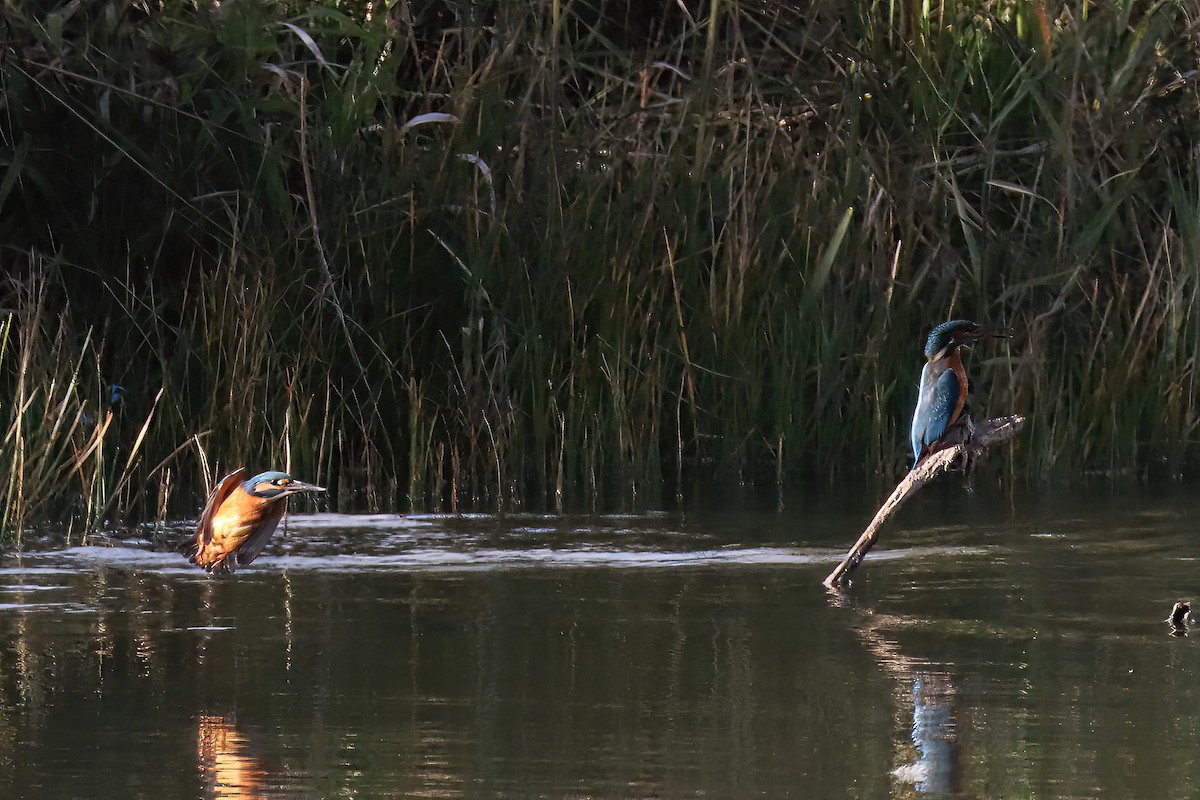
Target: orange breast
239	516
954	360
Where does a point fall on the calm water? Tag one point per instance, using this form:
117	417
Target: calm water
1000	647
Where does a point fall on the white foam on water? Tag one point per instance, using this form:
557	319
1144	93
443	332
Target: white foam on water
32	570
121	555
209	628
356	521
433	559
436	559
31	587
413	543
73	608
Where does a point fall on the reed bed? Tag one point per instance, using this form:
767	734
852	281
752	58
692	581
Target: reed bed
490	255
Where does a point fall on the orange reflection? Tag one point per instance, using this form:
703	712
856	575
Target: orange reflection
226	768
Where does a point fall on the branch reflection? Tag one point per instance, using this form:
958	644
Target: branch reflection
936	766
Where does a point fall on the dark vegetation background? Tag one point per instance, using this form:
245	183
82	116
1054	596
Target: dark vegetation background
582	253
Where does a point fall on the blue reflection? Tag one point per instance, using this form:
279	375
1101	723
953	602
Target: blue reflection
934	734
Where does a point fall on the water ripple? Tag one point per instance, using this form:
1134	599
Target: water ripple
442	559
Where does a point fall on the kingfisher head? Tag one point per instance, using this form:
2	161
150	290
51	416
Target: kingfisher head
949	336
276	485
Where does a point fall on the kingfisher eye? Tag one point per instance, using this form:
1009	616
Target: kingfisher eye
281	481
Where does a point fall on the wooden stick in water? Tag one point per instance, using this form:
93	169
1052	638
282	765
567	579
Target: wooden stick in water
985	435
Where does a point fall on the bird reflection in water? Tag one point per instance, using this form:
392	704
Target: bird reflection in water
937	769
940	760
227	770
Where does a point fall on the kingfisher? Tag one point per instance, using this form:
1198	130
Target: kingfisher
1181	617
240	517
940	417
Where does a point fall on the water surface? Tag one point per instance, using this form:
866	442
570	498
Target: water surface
997	645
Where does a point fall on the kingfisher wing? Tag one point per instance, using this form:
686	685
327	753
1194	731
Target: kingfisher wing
936	405
204	529
257	540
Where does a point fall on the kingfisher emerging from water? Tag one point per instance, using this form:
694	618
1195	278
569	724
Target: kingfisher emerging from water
941	418
240	517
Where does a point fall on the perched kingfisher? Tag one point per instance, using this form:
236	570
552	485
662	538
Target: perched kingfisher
240	517
940	416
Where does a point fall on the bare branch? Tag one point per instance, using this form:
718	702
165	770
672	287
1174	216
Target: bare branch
985	435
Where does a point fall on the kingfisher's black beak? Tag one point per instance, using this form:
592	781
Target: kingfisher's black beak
995	332
981	332
296	487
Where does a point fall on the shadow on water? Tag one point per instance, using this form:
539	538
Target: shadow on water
995	648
